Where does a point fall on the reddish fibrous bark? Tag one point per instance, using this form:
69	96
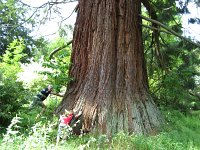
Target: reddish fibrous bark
108	66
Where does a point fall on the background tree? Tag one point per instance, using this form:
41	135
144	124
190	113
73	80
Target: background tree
14	25
172	62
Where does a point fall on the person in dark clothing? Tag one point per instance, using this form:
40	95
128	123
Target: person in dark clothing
44	93
40	97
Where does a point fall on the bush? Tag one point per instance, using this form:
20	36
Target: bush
12	94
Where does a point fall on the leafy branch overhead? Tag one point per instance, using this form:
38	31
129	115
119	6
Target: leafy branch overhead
168	30
58	49
169	14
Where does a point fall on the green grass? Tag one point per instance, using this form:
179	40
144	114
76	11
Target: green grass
184	128
181	132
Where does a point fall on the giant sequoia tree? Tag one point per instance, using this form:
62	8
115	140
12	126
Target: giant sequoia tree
110	80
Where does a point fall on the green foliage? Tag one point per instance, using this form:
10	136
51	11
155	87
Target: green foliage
173	86
37	137
29	117
12	133
14	53
59	66
172	64
12	93
184	129
180	133
14	27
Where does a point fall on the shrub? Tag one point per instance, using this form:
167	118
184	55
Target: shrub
12	94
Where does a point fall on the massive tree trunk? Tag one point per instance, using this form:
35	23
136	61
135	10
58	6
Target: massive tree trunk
110	80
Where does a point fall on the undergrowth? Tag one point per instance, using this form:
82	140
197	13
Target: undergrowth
181	132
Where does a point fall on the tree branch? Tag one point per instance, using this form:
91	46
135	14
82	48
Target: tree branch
156	33
153	28
58	49
197	95
75	10
170	30
48	4
57	94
